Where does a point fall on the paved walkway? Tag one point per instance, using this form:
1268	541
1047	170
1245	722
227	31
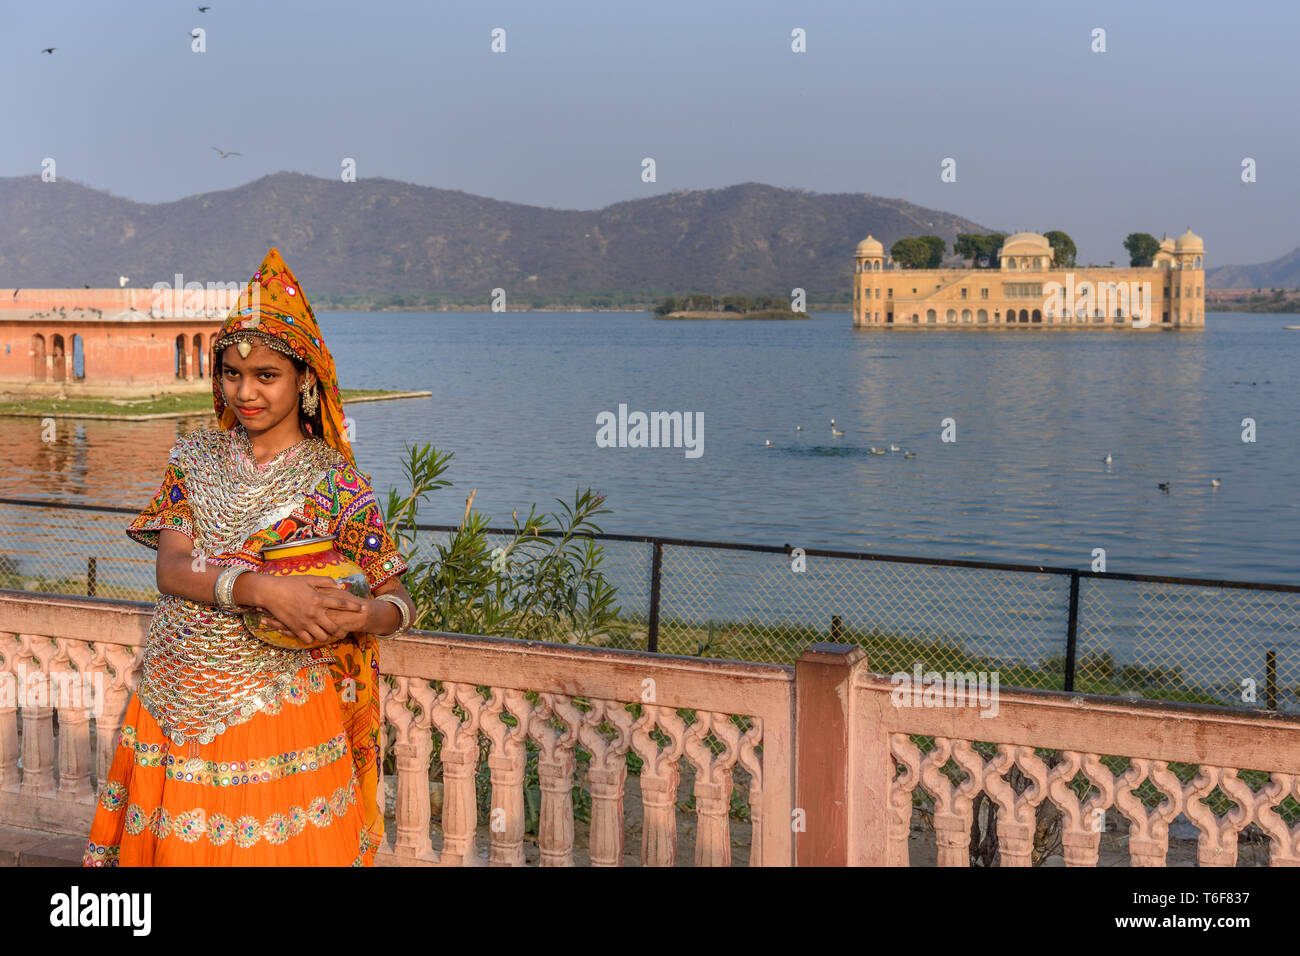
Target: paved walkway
23	847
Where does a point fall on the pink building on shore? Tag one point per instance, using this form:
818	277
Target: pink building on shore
109	342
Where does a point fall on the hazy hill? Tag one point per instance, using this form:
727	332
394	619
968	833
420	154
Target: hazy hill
1283	273
379	237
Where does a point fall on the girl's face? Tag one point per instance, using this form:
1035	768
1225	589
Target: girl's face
263	388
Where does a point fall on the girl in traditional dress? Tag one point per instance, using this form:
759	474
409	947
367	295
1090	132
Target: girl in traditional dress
234	751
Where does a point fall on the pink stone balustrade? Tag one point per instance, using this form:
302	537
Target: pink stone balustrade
831	763
53	633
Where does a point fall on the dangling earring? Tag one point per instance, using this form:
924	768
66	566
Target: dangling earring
309	398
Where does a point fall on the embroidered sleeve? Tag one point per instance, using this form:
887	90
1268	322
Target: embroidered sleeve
359	532
170	508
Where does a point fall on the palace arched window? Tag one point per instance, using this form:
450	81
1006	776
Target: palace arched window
57	354
38	358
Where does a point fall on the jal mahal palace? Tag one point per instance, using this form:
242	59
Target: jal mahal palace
1020	292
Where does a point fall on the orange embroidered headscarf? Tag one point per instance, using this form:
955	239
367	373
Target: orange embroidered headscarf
274	309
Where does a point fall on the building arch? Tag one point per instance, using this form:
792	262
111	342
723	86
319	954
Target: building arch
78	358
952	315
1024	315
39	370
1037	316
197	345
931	316
182	357
58	359
966	316
982	317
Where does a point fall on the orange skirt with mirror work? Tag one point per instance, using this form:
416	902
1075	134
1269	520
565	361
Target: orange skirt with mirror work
280	789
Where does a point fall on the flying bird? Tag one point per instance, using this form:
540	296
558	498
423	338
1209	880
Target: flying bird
1163	486
1107	458
909	454
767	443
16	291
1214	482
224	155
49	49
122	281
204	9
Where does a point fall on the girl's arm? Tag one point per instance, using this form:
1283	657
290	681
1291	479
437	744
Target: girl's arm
302	602
383	618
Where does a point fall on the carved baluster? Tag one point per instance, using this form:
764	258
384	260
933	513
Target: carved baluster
606	776
900	798
749	759
9	779
507	761
1081	826
659	779
1148	832
116	666
38	715
75	697
1017	812
952	805
412	749
1216	840
459	763
1284	841
713	786
555	766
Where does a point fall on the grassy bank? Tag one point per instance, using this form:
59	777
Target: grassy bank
199	403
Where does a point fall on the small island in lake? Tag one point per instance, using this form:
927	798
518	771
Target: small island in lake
701	306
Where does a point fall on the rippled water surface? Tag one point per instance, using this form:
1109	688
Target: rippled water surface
516	397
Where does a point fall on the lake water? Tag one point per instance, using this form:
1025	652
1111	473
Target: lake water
516	397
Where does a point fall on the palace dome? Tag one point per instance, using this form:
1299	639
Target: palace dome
870	247
1189	242
1026	244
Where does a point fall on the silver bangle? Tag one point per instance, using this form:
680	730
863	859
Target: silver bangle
406	615
224	590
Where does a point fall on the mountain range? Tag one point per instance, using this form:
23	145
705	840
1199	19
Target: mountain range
380	238
382	242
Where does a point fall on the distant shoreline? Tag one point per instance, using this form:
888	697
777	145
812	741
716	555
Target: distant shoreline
759	315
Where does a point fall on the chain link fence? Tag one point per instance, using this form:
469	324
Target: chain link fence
1164	638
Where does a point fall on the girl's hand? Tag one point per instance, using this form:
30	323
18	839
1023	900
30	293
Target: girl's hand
349	620
315	609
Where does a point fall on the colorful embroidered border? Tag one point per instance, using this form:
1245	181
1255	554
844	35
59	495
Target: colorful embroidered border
247	831
99	855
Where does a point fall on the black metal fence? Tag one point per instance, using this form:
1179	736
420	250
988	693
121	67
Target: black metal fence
1135	635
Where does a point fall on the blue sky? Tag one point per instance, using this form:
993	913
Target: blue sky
1148	136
